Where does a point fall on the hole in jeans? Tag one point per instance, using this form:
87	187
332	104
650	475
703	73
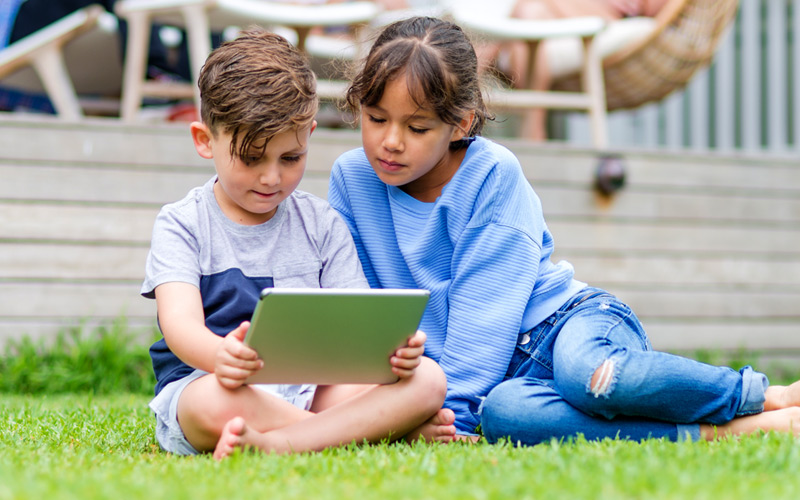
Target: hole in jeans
601	380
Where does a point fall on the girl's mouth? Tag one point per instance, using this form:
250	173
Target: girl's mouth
390	166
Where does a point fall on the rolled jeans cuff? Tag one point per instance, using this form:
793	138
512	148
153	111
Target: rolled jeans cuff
689	432
754	386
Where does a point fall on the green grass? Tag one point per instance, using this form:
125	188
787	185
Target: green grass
74	424
88	447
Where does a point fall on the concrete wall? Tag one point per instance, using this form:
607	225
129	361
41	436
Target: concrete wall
704	247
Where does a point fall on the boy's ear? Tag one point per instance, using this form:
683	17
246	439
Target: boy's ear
202	137
464	127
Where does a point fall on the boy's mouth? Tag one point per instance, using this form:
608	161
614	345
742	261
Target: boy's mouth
265	195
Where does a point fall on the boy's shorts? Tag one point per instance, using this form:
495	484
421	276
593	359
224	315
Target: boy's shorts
165	405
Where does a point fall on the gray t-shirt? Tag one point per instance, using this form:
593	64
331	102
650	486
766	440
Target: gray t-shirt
304	245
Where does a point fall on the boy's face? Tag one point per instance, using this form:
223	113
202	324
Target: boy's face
249	192
409	146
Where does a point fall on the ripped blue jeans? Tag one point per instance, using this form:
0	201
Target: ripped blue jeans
637	393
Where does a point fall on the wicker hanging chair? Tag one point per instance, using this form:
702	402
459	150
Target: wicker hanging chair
683	41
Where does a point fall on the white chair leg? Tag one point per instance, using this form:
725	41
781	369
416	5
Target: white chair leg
52	70
135	71
594	86
198	33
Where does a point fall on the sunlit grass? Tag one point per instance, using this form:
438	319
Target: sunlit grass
87	447
74	424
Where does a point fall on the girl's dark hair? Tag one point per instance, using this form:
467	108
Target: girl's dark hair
440	66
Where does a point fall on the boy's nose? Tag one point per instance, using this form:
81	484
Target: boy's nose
270	175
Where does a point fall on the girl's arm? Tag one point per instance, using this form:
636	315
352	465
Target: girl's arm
495	270
182	321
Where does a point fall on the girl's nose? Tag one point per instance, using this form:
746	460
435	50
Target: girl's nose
393	140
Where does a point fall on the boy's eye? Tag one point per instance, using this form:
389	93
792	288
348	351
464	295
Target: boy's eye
251	160
291	159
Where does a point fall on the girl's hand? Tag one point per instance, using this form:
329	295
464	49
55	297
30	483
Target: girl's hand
406	359
234	361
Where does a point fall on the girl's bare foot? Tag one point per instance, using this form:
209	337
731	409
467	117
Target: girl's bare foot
439	427
782	396
782	420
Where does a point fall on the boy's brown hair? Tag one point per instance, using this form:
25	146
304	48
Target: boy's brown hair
254	87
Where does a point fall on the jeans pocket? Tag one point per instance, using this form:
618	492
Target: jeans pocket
533	354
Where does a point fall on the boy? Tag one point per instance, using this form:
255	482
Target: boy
246	229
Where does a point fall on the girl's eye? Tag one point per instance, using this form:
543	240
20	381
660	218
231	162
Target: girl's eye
375	119
418	130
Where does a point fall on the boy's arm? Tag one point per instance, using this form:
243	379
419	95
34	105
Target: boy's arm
406	359
182	321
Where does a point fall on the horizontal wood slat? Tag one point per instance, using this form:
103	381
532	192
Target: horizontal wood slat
93	223
693	335
685	270
700	240
40	300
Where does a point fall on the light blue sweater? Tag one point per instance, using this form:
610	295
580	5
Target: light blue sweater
482	249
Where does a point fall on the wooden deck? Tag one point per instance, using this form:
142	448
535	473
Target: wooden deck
706	248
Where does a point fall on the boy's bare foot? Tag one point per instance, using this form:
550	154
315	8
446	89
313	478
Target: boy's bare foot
232	437
238	435
439	427
782	396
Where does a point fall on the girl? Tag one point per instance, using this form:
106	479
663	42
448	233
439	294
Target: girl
529	352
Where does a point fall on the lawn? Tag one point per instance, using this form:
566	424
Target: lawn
74	424
87	446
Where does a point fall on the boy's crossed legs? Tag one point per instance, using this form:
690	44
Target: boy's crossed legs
213	417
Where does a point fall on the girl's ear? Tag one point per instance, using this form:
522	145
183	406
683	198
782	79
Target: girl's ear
202	137
463	128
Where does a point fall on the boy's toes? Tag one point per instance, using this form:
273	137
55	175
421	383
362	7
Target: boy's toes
230	439
445	416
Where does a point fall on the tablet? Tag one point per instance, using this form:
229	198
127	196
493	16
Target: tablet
332	335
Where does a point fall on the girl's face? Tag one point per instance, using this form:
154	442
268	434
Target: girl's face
408	146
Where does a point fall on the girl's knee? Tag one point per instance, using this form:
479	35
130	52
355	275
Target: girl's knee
514	410
590	380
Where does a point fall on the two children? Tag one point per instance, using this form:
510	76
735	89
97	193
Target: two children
246	229
530	353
